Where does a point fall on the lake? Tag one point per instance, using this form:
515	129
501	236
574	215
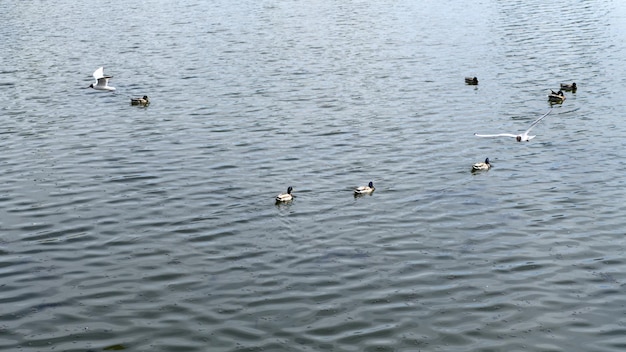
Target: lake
155	228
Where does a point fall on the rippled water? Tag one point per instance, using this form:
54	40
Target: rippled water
155	229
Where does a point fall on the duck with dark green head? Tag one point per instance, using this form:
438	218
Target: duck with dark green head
471	81
556	97
140	101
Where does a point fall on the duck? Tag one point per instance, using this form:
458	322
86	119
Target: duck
471	80
525	137
140	101
365	189
482	166
102	81
285	197
569	87
556	97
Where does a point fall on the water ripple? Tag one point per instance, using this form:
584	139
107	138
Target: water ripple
155	228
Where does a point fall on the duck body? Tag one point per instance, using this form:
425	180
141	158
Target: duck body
285	197
569	87
140	101
556	97
471	80
365	189
481	166
102	81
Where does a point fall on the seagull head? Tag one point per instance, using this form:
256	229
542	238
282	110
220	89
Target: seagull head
518	138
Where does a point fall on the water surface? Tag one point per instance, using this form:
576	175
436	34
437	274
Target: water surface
155	229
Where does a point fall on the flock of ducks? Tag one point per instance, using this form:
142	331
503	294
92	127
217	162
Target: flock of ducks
559	97
553	97
359	191
102	83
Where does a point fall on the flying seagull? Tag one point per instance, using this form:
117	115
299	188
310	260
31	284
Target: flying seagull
102	81
519	137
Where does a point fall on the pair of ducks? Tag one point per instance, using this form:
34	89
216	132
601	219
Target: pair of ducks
102	83
286	197
557	97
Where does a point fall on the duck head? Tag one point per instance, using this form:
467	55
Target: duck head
370	185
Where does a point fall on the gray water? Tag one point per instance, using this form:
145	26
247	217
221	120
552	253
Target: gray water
155	229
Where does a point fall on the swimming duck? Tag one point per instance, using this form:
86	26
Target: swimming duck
140	101
569	87
471	80
556	97
518	137
481	166
365	189
102	81
285	197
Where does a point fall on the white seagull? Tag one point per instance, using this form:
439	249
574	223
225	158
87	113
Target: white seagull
102	81
519	137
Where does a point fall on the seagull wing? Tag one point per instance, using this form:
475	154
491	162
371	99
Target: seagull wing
103	81
496	135
537	121
99	73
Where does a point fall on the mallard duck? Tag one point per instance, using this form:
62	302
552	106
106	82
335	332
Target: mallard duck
518	137
285	197
569	87
140	101
556	97
365	189
481	166
471	80
102	81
